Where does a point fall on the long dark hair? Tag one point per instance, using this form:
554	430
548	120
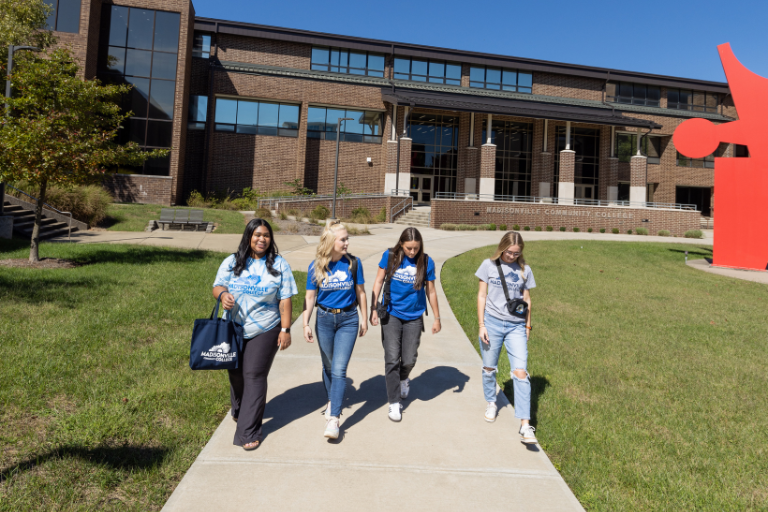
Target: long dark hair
396	255
244	250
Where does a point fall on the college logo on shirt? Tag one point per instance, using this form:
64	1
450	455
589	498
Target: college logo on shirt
406	275
249	285
511	278
337	281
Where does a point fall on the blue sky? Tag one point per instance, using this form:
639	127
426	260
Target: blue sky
669	37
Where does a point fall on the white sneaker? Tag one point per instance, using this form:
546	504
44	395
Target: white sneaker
394	412
528	437
327	411
332	428
490	412
405	387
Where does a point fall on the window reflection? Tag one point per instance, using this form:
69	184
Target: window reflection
256	117
365	126
65	15
202	45
339	60
418	70
504	79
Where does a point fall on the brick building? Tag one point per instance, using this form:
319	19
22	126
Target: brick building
244	105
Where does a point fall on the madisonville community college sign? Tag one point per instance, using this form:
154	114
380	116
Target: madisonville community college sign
561	213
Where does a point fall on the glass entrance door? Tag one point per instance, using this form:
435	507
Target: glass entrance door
584	192
421	189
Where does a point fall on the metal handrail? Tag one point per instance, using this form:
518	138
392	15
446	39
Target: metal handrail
69	233
294	199
570	201
405	204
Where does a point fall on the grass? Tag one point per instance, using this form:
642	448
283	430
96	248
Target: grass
100	410
649	377
135	217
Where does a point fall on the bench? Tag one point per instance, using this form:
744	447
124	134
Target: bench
181	218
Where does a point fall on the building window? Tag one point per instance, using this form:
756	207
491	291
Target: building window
633	94
418	70
257	117
140	48
626	147
514	143
364	127
351	62
500	79
708	162
65	16
740	151
698	101
585	142
201	47
198	110
699	196
434	149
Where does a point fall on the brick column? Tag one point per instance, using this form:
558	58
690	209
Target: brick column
390	173
612	178
405	164
487	170
638	166
567	173
545	175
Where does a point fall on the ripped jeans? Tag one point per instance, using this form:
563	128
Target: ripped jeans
513	336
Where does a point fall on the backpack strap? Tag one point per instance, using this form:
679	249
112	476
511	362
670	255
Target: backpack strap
426	268
352	267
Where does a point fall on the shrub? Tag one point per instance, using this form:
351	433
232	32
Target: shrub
663	232
527	228
448	227
602	230
694	233
283	216
615	231
589	230
503	227
550	228
537	228
467	227
87	203
641	231
575	230
263	213
562	228
361	215
196	200
294	212
491	227
321	212
629	231
381	217
355	231
516	227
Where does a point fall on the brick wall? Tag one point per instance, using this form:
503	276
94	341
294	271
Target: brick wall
140	188
344	207
446	211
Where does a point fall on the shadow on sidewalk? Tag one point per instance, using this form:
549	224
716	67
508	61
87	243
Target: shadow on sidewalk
434	382
293	404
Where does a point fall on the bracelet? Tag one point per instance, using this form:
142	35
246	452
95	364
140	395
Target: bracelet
528	327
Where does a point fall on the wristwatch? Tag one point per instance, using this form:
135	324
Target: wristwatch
285	329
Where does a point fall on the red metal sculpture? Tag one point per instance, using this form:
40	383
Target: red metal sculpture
741	184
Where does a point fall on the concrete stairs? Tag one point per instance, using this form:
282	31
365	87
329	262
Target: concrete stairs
418	217
24	221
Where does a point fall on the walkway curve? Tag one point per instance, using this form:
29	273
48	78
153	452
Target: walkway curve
443	455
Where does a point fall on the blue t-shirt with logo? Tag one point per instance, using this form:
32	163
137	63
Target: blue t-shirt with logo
338	290
406	302
257	292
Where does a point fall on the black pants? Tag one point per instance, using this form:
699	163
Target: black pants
248	385
400	339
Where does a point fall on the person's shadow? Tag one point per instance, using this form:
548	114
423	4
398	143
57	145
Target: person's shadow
293	404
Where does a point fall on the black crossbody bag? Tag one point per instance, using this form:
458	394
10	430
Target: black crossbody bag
518	307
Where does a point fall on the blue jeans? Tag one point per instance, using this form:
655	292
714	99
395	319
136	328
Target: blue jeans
336	336
514	338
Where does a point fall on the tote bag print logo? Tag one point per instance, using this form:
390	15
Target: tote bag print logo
219	353
216	343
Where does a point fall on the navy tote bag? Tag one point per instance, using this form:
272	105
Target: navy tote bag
217	344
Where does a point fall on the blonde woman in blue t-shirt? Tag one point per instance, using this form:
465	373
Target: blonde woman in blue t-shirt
500	327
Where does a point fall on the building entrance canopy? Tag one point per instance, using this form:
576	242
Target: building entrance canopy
511	107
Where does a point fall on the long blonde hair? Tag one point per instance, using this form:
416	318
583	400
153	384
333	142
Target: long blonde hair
508	240
324	250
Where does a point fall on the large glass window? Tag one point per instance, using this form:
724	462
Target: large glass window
198	110
201	47
366	126
626	147
514	143
352	62
708	162
65	16
435	148
500	79
257	117
633	94
140	47
585	142
421	70
700	196
698	101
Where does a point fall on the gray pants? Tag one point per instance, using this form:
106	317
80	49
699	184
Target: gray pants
400	339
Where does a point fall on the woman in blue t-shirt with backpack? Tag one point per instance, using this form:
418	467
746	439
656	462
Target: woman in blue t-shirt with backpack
340	292
410	276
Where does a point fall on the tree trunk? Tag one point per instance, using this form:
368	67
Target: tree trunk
34	255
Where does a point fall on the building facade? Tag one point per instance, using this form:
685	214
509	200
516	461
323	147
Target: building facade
251	106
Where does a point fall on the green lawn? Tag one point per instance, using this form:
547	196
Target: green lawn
98	407
650	378
135	217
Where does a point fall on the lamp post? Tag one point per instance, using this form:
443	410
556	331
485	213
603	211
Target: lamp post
336	172
11	50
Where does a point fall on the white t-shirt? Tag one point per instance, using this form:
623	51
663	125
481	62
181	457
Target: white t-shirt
496	302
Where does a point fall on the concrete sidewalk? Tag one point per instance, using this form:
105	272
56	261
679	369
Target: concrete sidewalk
442	456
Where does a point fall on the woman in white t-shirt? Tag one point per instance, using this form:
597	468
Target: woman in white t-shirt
499	327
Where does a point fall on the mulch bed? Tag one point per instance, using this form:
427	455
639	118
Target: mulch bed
43	263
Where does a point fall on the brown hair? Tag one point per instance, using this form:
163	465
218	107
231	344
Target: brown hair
396	255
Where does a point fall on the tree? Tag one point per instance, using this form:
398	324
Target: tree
61	129
24	22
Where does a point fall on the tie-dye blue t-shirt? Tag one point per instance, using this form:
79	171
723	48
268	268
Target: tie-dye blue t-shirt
257	292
